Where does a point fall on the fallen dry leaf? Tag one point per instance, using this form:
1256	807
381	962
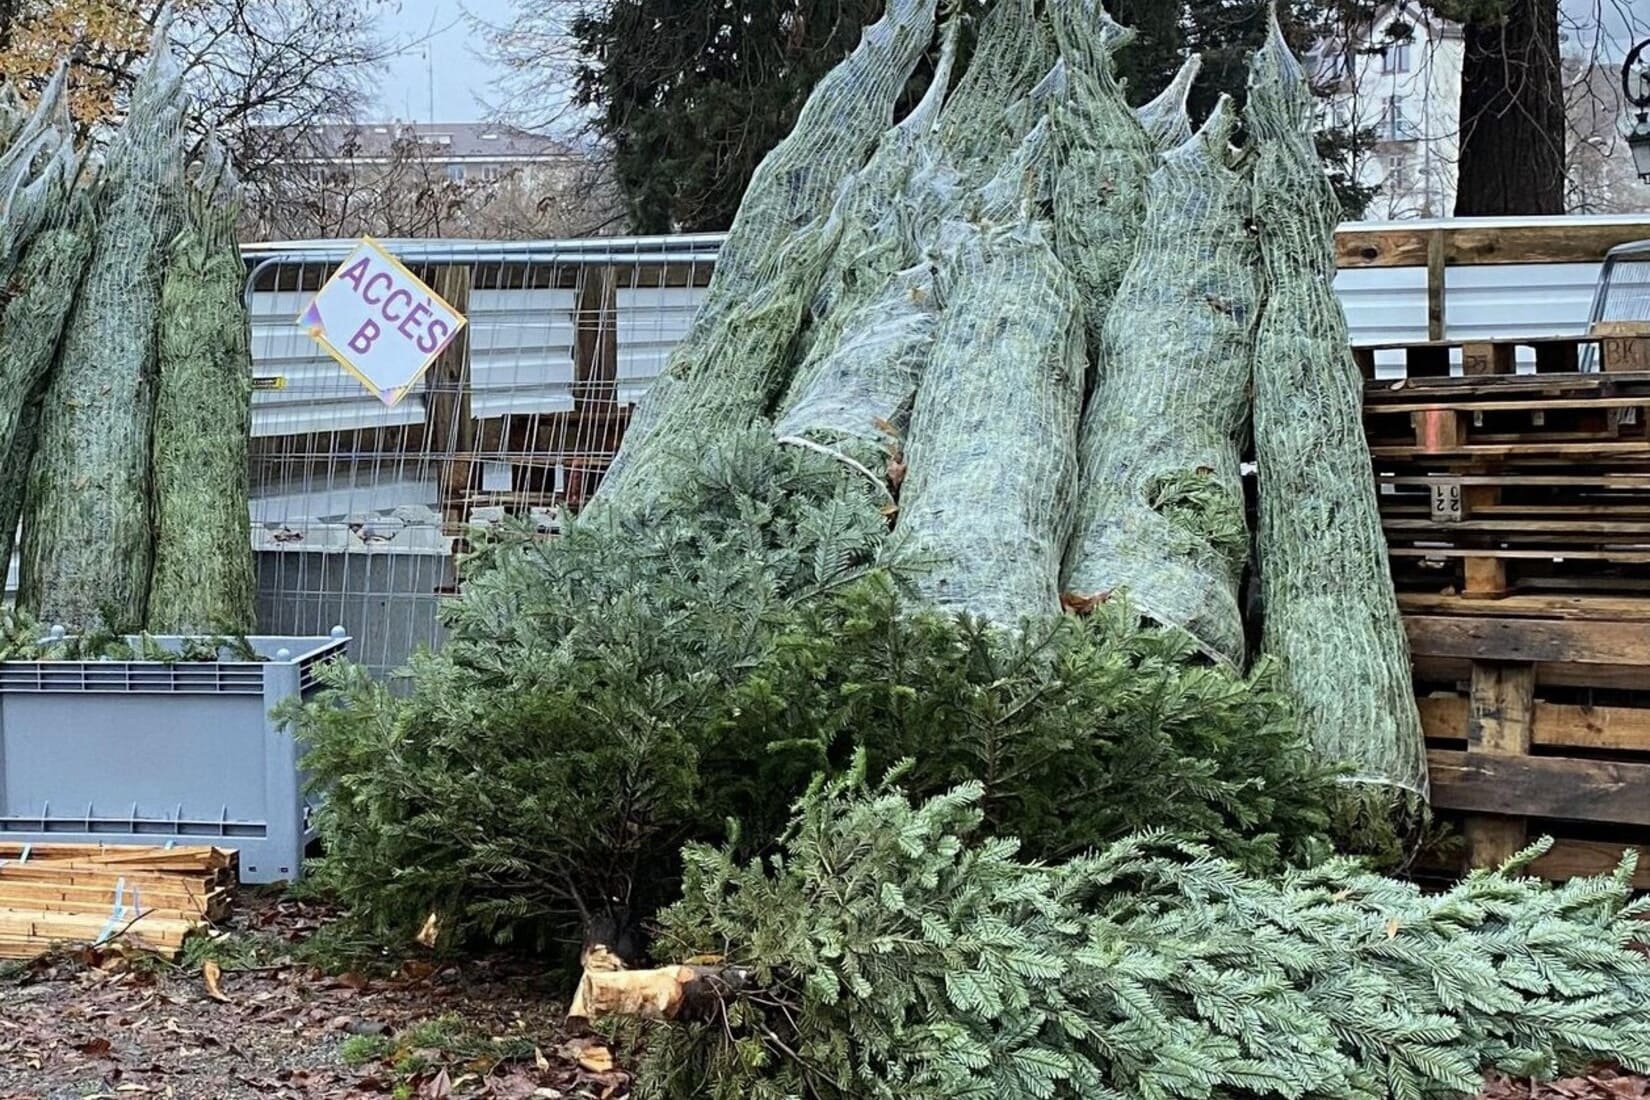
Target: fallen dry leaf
439	1087
212	978
540	1061
94	1048
1392	927
592	1055
431	931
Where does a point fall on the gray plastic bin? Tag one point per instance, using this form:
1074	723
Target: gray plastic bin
140	752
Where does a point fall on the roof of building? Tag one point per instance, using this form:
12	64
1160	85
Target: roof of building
443	140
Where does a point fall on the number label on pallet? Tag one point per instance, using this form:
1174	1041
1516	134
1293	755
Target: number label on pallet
1446	502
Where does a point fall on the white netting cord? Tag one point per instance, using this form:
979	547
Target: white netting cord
1105	156
873	319
1165	118
992	449
735	359
87	547
48	240
1330	611
1161	506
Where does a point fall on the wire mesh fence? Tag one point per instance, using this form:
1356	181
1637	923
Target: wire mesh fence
358	508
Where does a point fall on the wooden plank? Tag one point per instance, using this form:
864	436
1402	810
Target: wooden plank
1500	709
1436	278
1606	792
1442	552
1617	608
1566	674
1532	449
1552	725
1486	638
1521	526
1473	243
1569	859
1612	480
447	412
1541	404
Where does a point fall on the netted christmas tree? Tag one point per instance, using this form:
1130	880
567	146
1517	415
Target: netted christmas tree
1329	609
87	537
45	239
735	360
888	951
872	321
203	581
1165	118
1160	500
1105	155
993	438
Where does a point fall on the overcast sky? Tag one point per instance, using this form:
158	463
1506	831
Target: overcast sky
441	60
442	67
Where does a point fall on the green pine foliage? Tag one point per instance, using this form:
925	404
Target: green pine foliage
644	678
1079	729
896	950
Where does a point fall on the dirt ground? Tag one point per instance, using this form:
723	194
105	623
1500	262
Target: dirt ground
104	1025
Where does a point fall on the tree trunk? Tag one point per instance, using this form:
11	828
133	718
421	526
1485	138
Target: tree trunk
1512	114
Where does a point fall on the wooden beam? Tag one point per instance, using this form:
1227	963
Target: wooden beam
1471	243
1615	608
1488	638
1458	670
1437	276
1569	859
1606	792
1500	706
452	426
1552	725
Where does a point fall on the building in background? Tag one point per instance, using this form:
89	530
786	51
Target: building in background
405	179
1397	80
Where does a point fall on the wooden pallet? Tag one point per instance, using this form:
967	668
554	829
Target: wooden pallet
153	898
1537	715
1505	483
1609	347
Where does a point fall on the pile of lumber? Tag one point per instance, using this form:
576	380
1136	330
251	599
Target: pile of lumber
150	898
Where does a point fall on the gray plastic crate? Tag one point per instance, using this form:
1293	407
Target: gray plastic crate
140	752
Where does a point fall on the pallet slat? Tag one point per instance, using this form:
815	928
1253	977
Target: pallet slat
1608	792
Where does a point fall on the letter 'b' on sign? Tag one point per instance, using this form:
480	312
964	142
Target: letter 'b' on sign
380	321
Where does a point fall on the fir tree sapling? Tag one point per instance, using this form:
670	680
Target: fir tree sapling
891	950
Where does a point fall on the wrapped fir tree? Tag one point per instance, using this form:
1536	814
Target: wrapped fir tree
203	580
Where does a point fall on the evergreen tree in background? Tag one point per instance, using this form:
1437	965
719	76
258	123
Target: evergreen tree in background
690	95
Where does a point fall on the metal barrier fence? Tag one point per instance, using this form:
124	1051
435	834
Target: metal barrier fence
357	508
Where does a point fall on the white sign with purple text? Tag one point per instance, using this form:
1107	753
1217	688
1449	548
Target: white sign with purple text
380	321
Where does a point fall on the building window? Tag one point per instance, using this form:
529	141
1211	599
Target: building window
1395	125
455	173
1397	168
1395	57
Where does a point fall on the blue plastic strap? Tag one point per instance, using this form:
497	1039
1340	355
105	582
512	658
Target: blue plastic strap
116	914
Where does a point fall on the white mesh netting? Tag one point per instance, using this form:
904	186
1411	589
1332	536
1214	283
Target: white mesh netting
735	359
86	546
1160	502
1330	612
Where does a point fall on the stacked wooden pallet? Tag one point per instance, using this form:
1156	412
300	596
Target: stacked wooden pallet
1517	513
147	897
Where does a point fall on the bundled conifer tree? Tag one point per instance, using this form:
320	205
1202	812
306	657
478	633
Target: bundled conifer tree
87	537
203	580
